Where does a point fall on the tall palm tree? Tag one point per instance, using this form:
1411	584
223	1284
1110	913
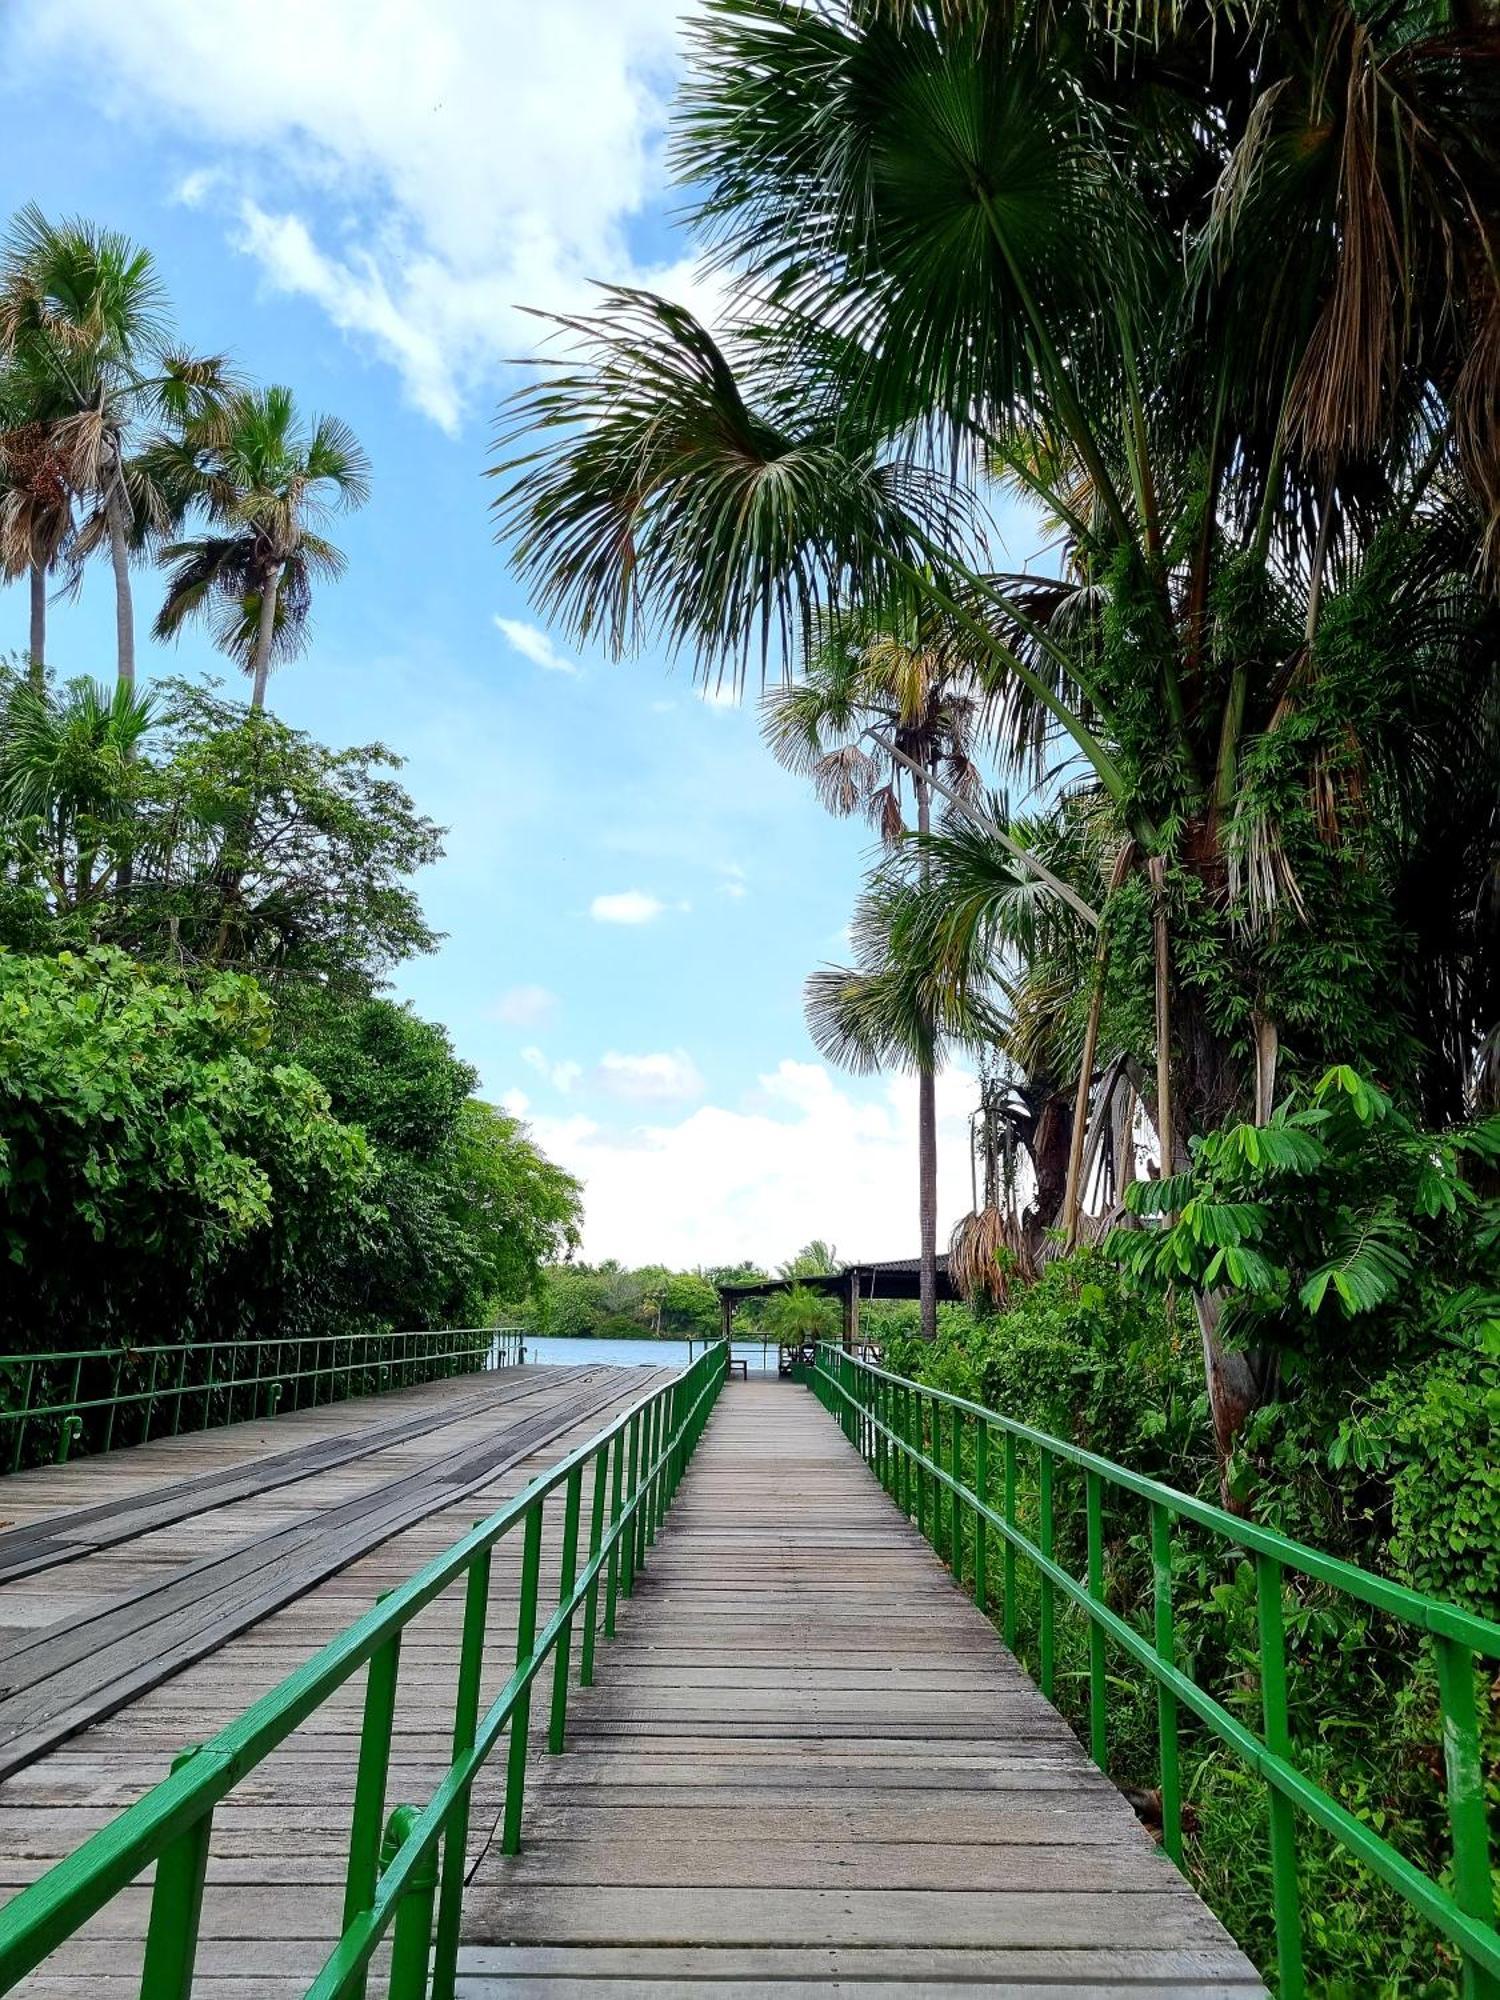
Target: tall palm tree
36	506
83	319
900	686
1225	303
263	479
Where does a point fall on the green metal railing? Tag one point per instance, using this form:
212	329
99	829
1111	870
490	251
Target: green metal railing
92	1398
926	1446
406	1870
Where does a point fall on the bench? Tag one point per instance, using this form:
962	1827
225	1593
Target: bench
737	1361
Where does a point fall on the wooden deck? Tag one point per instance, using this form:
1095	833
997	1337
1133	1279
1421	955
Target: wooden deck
148	1596
809	1766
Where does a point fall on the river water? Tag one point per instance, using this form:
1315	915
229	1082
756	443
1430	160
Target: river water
640	1353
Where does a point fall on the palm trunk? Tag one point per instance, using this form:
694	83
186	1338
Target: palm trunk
265	632
1161	949
1073	1198
927	1139
119	557
37	651
927	1199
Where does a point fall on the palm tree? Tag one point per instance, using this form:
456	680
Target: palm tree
69	778
262	478
899	685
814	1260
36	507
83	322
1225	305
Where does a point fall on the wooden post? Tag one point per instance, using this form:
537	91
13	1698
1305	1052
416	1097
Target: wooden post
726	1315
851	1310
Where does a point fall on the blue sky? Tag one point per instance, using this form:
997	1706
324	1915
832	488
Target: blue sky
352	198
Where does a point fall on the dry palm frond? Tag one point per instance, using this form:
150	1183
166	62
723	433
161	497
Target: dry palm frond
1339	397
987	1254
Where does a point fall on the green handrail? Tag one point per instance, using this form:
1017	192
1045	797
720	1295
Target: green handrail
890	1419
407	1868
214	1371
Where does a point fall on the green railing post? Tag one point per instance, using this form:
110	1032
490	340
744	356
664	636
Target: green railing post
411	1945
1285	1903
596	1542
1473	1884
1008	1558
367	1826
114	1400
612	1567
456	1832
150	1404
923	1479
15	1456
176	1908
72	1427
1166	1701
180	1391
562	1660
520	1719
1094	1508
981	1524
632	1535
1046	1645
955	1504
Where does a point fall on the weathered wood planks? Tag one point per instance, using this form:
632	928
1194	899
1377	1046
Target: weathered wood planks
810	1767
272	1907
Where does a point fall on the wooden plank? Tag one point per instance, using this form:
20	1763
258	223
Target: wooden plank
63	1680
810	1766
60	1538
263	1932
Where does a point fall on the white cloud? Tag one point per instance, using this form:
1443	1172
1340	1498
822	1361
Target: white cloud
561	1075
418	169
533	644
670	1076
805	1157
734	884
525	1006
719	694
630	906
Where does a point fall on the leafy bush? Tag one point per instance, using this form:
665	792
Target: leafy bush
1393	1464
162	1168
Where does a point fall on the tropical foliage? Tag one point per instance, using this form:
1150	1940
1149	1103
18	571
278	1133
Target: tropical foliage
1213	289
212	1121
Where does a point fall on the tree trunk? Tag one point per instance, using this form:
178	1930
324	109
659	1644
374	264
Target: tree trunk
37	651
1165	1126
1238	1380
265	632
1073	1198
927	1138
119	557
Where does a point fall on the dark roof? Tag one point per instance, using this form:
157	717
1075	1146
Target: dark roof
892	1278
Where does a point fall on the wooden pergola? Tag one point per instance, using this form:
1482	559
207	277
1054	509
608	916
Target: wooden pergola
896	1278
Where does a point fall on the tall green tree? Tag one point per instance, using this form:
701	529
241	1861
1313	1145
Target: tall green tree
87	336
1224	303
265	480
884	707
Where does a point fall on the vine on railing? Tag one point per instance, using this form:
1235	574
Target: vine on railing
406	1869
970	1478
90	1399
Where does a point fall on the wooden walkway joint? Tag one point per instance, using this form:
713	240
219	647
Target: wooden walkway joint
811	1767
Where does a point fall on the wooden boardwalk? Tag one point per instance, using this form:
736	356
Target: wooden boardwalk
148	1596
810	1767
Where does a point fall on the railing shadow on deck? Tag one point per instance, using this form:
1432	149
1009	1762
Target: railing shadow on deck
899	1427
405	1869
